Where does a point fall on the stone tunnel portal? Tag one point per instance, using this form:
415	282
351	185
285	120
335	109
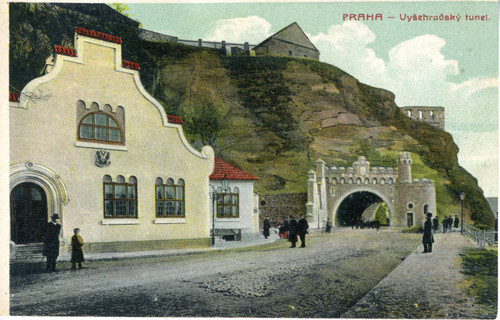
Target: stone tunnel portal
354	206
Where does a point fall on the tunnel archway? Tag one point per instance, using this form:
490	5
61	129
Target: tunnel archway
355	206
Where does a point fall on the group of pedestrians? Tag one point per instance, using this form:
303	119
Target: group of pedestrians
51	245
449	223
292	230
431	227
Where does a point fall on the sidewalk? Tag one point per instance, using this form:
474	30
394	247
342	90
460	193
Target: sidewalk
422	286
219	245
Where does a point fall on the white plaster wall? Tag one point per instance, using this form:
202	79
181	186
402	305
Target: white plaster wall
246	221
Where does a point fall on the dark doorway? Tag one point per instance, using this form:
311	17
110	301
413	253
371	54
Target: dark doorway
28	213
352	207
409	219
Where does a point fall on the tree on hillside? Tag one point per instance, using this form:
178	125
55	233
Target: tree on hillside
206	122
122	9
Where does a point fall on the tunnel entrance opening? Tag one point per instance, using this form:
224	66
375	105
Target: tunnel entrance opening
357	206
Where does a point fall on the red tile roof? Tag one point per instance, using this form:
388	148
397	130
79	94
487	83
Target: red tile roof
131	65
14	96
98	35
174	119
224	170
64	50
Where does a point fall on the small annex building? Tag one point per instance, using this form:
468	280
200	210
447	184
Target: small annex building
236	210
89	143
290	41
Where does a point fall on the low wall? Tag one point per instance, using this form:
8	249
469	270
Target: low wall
128	246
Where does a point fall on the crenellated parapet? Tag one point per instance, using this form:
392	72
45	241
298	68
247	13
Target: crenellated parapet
360	173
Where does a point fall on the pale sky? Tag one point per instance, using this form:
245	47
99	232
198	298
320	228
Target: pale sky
446	63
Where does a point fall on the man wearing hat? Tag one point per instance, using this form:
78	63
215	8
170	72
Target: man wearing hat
428	238
51	242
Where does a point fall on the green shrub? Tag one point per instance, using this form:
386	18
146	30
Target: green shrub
481	268
415	229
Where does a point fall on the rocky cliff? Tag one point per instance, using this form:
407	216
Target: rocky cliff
279	114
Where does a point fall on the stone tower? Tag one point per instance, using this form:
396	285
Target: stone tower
404	168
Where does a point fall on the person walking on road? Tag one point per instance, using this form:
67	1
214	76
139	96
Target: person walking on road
428	238
435	224
302	227
266	225
456	222
328	227
51	242
76	250
292	225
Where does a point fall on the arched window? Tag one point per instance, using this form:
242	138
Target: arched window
170	199
120	198
367	181
100	127
358	181
390	181
420	114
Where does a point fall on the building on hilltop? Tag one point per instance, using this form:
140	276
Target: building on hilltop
343	194
89	143
289	41
431	115
236	214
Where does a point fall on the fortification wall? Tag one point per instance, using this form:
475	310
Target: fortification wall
431	115
155	36
278	206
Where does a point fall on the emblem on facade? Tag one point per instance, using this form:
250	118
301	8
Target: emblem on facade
102	158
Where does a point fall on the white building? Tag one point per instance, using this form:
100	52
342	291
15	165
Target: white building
89	143
236	216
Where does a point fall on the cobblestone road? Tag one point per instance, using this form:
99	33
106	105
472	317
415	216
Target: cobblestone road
343	274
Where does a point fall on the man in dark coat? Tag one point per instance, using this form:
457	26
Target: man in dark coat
292	225
456	222
51	242
302	227
450	222
328	227
266	226
435	224
428	238
445	224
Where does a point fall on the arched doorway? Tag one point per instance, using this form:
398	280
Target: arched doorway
355	206
28	213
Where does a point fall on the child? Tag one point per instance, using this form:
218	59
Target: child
77	252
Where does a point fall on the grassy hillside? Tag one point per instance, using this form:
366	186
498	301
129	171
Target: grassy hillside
275	115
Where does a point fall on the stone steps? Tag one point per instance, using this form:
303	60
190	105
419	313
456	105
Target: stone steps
32	252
